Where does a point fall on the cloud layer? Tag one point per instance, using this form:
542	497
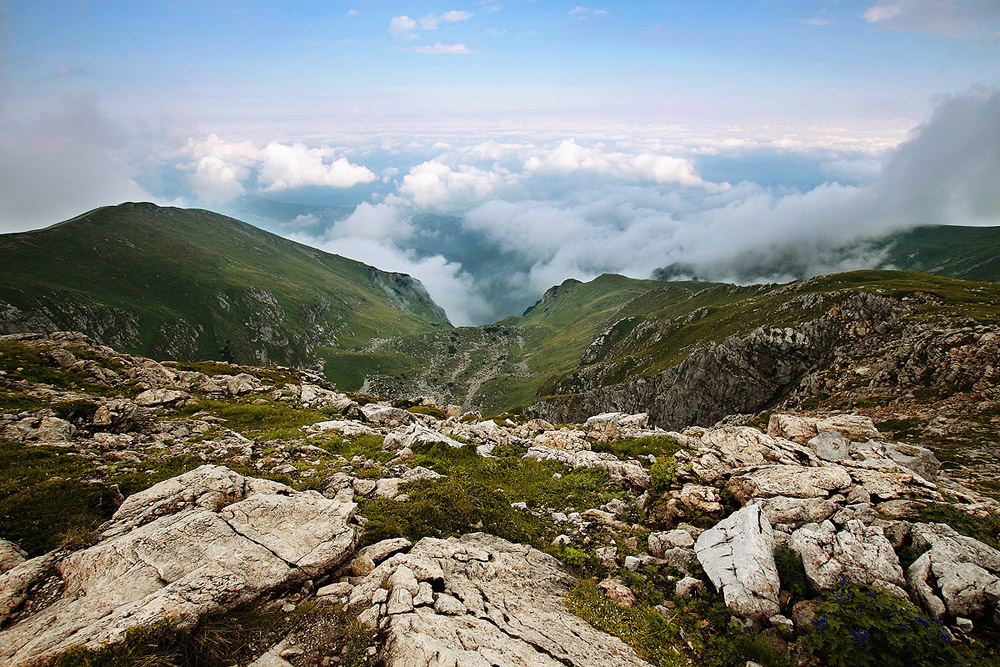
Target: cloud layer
488	225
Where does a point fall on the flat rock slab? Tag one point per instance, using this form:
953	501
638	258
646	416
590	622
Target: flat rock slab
484	601
790	481
201	543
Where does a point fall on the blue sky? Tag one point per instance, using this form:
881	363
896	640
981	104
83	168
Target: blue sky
698	124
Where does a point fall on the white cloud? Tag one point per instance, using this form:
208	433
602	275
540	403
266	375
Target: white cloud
216	181
284	167
373	221
950	18
438	49
402	26
353	12
454	16
570	156
436	185
221	171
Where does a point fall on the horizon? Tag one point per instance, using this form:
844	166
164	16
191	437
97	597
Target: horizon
492	149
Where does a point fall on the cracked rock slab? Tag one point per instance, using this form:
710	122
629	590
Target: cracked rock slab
955	573
494	603
738	556
858	554
183	555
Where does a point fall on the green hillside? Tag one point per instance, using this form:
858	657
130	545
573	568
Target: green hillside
191	284
970	253
615	329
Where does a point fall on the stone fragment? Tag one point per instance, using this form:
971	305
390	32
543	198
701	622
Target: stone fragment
616	591
689	586
702	498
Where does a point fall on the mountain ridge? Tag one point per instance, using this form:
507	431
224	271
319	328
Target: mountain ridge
190	284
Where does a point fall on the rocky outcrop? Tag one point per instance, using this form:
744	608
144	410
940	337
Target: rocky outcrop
858	554
955	574
198	544
479	600
738	556
738	375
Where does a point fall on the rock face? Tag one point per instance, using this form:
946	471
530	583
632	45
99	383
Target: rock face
479	600
741	374
738	556
858	554
201	543
956	574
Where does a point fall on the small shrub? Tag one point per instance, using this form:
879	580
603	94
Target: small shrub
790	571
632	448
431	410
664	473
860	626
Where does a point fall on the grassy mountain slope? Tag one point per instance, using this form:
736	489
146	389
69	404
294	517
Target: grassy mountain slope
970	253
191	284
616	330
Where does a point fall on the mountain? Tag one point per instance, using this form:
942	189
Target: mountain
970	253
692	353
190	284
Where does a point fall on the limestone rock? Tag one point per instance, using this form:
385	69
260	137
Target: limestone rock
702	498
718	452
385	415
830	446
802	429
738	556
498	604
414	434
660	542
10	555
796	511
343	427
198	544
955	574
788	480
120	415
156	397
569	440
858	554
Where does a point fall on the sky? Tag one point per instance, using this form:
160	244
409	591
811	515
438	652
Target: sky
494	148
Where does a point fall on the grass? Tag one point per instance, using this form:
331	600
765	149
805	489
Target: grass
477	495
206	273
698	631
272	421
633	448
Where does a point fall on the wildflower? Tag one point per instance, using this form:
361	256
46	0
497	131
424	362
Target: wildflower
822	624
945	637
859	635
920	619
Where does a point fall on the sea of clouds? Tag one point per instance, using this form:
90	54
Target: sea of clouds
489	220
